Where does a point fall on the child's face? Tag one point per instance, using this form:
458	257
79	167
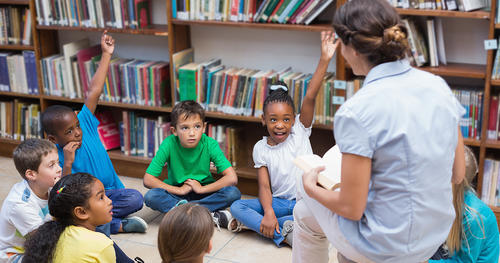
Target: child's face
189	130
99	206
67	130
49	171
279	119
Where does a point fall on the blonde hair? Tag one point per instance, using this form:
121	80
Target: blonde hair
185	233
457	232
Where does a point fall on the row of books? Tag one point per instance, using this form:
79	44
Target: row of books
128	80
241	91
470	122
19	120
490	188
15	25
94	13
18	72
227	137
493	131
460	5
262	11
428	50
141	136
495	72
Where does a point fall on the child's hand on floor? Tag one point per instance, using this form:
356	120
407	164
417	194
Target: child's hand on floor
328	45
195	185
107	43
268	224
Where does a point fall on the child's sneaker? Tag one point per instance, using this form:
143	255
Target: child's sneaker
134	224
287	232
181	202
225	219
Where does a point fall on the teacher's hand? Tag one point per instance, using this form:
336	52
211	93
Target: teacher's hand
310	179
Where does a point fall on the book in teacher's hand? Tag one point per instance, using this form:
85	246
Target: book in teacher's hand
332	160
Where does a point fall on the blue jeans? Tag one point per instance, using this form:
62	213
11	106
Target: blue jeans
161	200
125	202
250	213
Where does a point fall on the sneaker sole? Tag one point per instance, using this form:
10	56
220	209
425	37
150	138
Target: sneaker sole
142	221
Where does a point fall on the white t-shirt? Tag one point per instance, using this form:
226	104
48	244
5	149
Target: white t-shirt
22	212
279	159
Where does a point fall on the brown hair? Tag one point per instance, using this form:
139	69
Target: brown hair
457	234
188	108
373	28
185	233
28	155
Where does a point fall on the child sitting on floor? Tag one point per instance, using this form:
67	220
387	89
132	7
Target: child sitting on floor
185	234
26	208
80	149
78	204
272	213
474	233
187	154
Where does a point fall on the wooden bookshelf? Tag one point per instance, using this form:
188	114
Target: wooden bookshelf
472	142
19	95
7	146
314	27
458	70
444	13
14	2
16	47
155	30
495	82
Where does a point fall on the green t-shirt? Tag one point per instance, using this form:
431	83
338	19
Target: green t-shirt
188	163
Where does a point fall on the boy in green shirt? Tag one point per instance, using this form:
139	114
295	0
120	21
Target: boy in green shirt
187	153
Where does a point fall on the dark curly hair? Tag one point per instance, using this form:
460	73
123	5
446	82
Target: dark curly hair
373	28
52	116
278	95
71	191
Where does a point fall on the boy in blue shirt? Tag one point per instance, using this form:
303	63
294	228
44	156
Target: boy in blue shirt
80	149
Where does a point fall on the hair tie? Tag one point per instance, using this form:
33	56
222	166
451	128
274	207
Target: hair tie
60	190
275	87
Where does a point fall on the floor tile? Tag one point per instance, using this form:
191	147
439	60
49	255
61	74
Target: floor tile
251	247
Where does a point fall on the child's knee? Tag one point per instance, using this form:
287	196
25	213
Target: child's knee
232	193
152	196
136	200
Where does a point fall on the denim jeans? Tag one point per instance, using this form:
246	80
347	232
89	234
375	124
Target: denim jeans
161	200
250	213
125	202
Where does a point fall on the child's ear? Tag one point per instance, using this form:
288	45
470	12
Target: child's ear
173	130
30	175
80	213
263	120
52	138
209	249
204	127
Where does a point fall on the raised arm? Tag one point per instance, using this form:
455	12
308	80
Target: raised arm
97	82
328	47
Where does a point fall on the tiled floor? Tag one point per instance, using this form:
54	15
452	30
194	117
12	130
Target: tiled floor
227	246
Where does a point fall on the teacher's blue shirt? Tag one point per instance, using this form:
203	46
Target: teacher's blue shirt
91	157
405	120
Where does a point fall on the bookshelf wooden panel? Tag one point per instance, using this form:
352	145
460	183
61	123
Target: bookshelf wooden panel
16	47
472	142
495	82
14	2
156	30
7	146
444	13
458	70
19	95
314	27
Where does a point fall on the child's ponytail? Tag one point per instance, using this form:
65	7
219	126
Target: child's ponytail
71	191
278	92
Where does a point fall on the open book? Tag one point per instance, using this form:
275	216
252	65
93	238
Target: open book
330	177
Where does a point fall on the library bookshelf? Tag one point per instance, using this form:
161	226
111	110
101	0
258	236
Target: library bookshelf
45	43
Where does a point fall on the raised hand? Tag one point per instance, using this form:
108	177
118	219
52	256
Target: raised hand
328	45
107	43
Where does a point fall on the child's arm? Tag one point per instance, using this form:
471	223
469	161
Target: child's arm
328	47
151	181
228	178
269	223
97	82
